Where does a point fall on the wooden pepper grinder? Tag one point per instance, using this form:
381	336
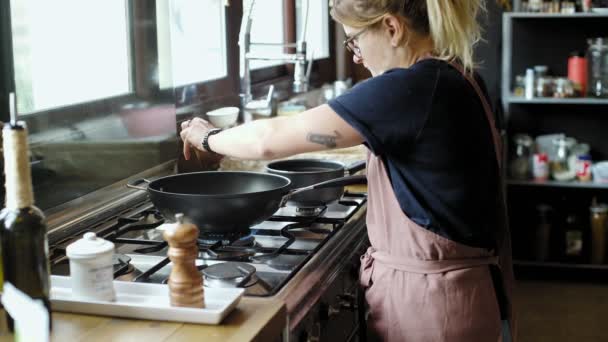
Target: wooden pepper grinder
185	281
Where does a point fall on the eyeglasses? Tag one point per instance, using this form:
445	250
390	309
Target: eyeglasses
351	44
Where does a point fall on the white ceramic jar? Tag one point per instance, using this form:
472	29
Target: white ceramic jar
91	268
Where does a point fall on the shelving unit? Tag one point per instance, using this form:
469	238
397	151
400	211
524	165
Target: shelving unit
559	265
523	15
556	184
559	101
547	39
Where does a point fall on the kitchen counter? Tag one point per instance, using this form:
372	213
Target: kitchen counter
254	319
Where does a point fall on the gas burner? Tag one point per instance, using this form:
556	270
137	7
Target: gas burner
222	254
233	239
229	274
310	211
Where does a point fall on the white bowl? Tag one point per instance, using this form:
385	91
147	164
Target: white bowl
600	172
223	117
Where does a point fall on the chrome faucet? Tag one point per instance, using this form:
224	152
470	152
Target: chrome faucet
301	70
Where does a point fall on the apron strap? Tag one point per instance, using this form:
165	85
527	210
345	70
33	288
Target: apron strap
486	108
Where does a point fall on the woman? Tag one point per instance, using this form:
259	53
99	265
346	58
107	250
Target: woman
436	219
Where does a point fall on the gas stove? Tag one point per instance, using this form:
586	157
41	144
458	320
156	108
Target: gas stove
261	262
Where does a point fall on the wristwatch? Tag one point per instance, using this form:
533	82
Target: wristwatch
209	133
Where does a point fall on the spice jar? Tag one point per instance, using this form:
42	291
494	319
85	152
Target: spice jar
520	86
563	88
92	268
599	216
544	86
520	167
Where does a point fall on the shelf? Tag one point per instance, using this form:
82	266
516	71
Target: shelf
551	100
556	184
525	15
549	264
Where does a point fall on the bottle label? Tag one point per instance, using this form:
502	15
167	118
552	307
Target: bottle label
540	167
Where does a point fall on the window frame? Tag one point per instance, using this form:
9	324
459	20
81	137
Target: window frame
225	88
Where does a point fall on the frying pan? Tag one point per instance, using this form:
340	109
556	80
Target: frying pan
224	202
305	172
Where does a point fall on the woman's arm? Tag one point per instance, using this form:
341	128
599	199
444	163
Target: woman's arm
316	129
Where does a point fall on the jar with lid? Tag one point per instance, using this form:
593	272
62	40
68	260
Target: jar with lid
573	239
545	86
92	268
542	232
561	168
521	164
599	218
520	86
597	59
563	88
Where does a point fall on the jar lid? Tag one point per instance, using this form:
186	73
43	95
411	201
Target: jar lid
89	246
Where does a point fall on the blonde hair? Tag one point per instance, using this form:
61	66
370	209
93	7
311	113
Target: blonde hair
451	24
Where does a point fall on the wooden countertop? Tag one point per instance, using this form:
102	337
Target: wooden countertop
255	319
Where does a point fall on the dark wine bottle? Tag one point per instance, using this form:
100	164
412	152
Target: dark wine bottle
23	228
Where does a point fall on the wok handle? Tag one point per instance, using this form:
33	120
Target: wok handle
332	183
133	184
355	167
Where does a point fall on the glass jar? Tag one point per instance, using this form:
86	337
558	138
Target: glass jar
599	217
573	239
520	86
563	88
543	232
561	169
597	59
521	166
544	86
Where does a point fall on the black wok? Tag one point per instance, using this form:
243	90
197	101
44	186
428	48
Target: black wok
305	172
226	202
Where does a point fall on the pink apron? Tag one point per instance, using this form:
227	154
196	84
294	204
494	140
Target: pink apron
421	286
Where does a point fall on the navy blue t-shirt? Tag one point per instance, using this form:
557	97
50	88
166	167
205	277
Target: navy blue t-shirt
428	125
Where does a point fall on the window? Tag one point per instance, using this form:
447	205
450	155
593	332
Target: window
66	52
267	26
191	41
317	36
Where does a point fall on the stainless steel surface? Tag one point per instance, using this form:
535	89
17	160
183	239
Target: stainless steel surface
72	216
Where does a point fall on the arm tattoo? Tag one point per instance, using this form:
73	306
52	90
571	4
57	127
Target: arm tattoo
326	140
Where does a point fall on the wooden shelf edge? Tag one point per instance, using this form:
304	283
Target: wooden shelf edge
529	15
550	100
556	184
551	264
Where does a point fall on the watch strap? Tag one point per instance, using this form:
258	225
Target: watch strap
206	139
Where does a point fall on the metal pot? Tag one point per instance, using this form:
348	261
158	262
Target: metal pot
226	202
305	172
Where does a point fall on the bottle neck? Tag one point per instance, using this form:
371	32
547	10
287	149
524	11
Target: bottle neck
18	182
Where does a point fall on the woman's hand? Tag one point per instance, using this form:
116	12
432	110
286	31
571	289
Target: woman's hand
192	134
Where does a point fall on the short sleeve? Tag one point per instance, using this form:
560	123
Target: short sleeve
389	110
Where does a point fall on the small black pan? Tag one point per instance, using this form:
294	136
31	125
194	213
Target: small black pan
305	172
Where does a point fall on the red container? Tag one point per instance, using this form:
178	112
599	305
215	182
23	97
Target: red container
577	71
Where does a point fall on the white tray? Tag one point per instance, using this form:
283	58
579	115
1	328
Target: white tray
146	301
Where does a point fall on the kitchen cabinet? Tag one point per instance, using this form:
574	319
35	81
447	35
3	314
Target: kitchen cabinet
531	39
